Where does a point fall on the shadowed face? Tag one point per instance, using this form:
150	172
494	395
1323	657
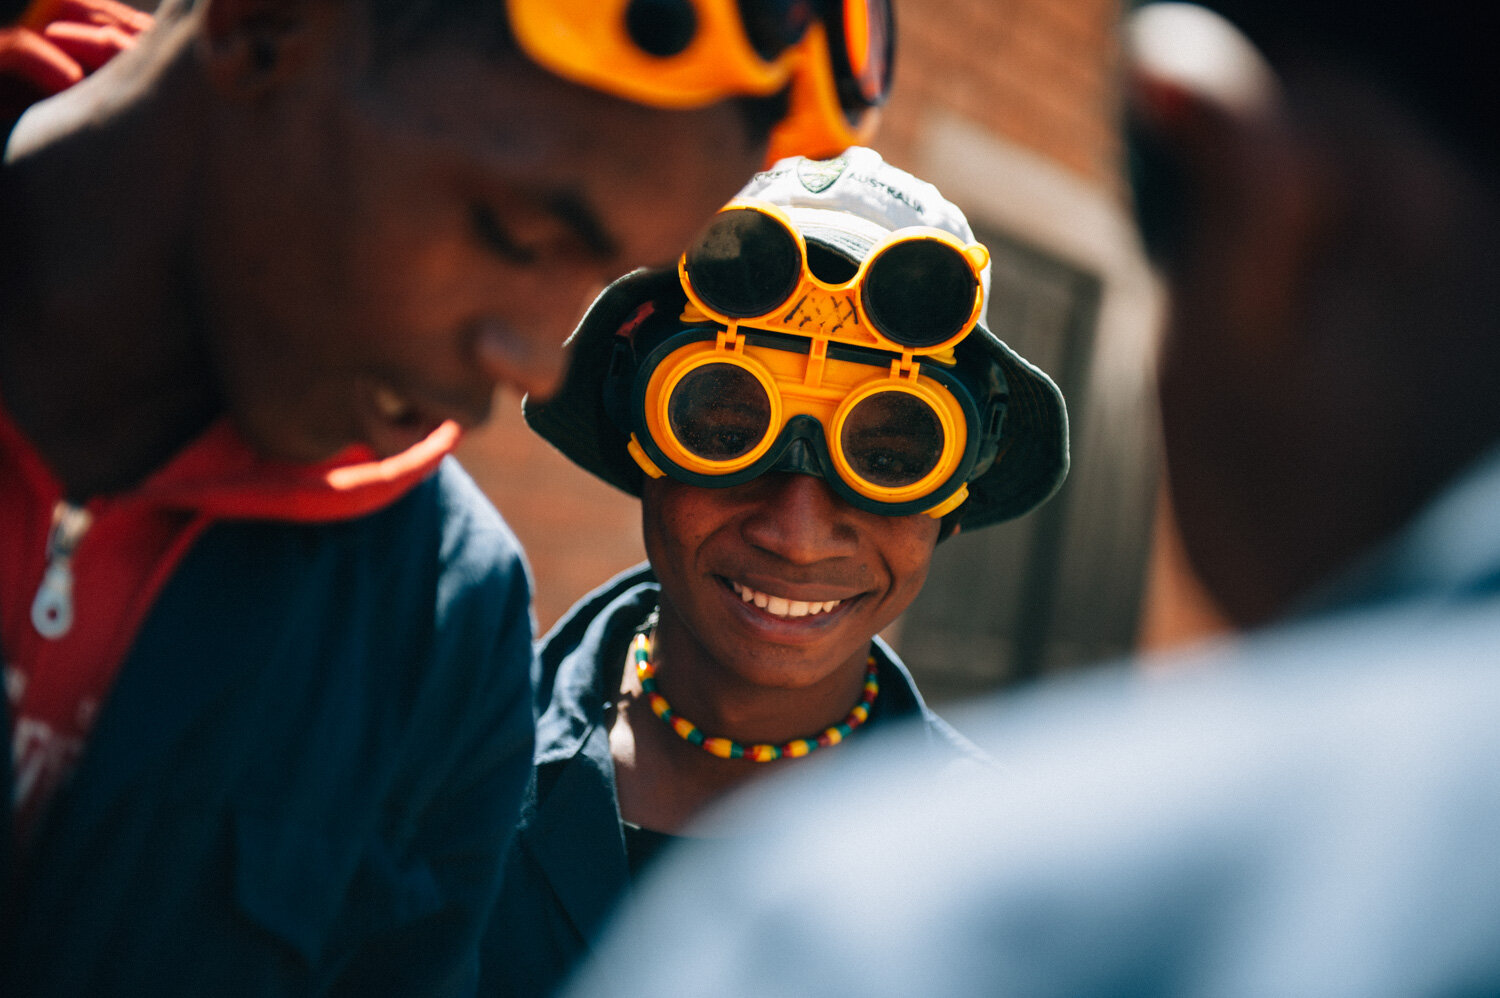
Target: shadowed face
1328	361
778	580
380	250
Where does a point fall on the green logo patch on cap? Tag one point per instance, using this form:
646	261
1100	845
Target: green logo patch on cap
817	175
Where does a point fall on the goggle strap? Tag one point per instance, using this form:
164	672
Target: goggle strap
949	504
643	461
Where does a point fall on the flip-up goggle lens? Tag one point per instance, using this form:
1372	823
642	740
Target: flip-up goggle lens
745	264
920	292
919	289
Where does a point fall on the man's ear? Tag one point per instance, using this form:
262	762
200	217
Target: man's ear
1226	183
254	45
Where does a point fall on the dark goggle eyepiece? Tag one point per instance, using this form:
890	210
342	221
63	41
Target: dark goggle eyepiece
713	410
892	439
888	439
719	412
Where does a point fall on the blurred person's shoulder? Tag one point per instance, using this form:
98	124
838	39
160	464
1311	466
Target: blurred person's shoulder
1232	804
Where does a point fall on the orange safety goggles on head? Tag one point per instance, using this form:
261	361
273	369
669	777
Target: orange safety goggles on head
835	55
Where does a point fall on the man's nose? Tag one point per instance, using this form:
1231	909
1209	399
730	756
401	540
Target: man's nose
529	360
529	355
800	519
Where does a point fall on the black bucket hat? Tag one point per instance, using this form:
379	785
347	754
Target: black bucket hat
846	205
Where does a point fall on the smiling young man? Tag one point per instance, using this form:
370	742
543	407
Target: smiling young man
805	407
265	649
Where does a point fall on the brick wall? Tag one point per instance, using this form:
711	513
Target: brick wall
1034	73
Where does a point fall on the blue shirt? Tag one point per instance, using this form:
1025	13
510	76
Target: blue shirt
305	775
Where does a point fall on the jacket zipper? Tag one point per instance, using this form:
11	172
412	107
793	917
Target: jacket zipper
52	610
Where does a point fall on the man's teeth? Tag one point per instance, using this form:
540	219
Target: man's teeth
780	606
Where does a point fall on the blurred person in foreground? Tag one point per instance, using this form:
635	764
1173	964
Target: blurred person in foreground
1310	807
266	649
805	408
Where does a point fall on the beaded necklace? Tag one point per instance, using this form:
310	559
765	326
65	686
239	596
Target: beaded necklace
728	748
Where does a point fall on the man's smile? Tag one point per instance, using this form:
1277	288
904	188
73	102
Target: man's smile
782	606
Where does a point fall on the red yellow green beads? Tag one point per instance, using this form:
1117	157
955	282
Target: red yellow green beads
728	748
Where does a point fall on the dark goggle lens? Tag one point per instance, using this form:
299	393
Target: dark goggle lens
745	264
773	26
719	412
892	439
920	292
662	28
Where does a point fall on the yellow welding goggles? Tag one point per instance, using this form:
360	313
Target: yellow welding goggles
834	55
852	383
